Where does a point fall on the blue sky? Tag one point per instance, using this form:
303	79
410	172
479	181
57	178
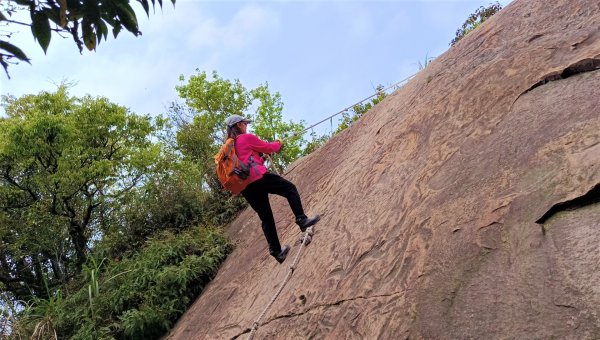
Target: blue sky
322	56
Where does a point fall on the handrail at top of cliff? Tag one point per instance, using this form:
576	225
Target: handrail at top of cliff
348	108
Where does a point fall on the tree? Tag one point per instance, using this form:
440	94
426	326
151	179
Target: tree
476	19
315	142
64	164
269	125
349	117
211	101
87	21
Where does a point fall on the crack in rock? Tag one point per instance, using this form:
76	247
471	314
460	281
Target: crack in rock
323	305
565	306
591	197
582	66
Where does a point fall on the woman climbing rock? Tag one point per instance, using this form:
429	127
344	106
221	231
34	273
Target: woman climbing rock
249	149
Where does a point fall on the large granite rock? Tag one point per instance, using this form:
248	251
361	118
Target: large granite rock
430	203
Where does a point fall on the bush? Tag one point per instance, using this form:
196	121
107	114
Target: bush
174	199
476	19
139	297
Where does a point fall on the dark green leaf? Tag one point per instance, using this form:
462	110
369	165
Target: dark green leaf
2	17
101	29
24	2
52	14
91	10
117	29
146	6
98	30
89	38
74	4
5	65
40	28
14	50
109	17
127	17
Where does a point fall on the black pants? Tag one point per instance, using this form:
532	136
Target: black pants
257	195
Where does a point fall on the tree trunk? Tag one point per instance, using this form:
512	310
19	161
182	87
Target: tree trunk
79	240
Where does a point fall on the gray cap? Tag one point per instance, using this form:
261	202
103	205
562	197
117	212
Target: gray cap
234	119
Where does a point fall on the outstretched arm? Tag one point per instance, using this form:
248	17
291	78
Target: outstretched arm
260	145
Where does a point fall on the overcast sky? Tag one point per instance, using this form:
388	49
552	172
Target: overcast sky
322	56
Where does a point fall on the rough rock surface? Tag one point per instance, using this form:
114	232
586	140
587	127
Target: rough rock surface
430	203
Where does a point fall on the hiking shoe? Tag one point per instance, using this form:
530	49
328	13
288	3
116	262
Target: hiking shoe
305	222
282	254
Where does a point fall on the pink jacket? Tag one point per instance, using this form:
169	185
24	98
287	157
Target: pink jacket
247	145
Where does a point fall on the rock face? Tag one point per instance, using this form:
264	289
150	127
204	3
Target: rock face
430	203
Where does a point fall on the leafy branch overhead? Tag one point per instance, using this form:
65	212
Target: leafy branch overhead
476	19
87	21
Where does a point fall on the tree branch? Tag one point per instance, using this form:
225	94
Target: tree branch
74	30
10	180
68	207
17	22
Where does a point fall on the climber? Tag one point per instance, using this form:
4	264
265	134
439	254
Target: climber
262	183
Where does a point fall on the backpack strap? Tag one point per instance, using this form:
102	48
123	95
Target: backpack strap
235	156
253	164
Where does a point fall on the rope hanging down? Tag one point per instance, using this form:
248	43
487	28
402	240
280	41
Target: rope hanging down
309	232
305	241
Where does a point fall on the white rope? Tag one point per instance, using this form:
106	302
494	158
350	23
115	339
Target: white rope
309	232
307	235
272	164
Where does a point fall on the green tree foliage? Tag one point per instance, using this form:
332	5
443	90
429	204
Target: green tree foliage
476	19
212	100
348	118
173	198
83	179
87	21
139	297
352	115
315	142
269	125
65	163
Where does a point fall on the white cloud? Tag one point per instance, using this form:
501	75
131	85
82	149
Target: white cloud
244	27
321	55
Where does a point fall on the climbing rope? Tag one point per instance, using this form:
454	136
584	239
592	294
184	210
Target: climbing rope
305	240
309	232
272	164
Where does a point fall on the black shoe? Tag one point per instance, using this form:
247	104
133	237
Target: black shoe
282	254
305	222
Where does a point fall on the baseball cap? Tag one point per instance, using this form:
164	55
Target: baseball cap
234	119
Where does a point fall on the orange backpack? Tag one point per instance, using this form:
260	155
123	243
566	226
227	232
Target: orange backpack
231	171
